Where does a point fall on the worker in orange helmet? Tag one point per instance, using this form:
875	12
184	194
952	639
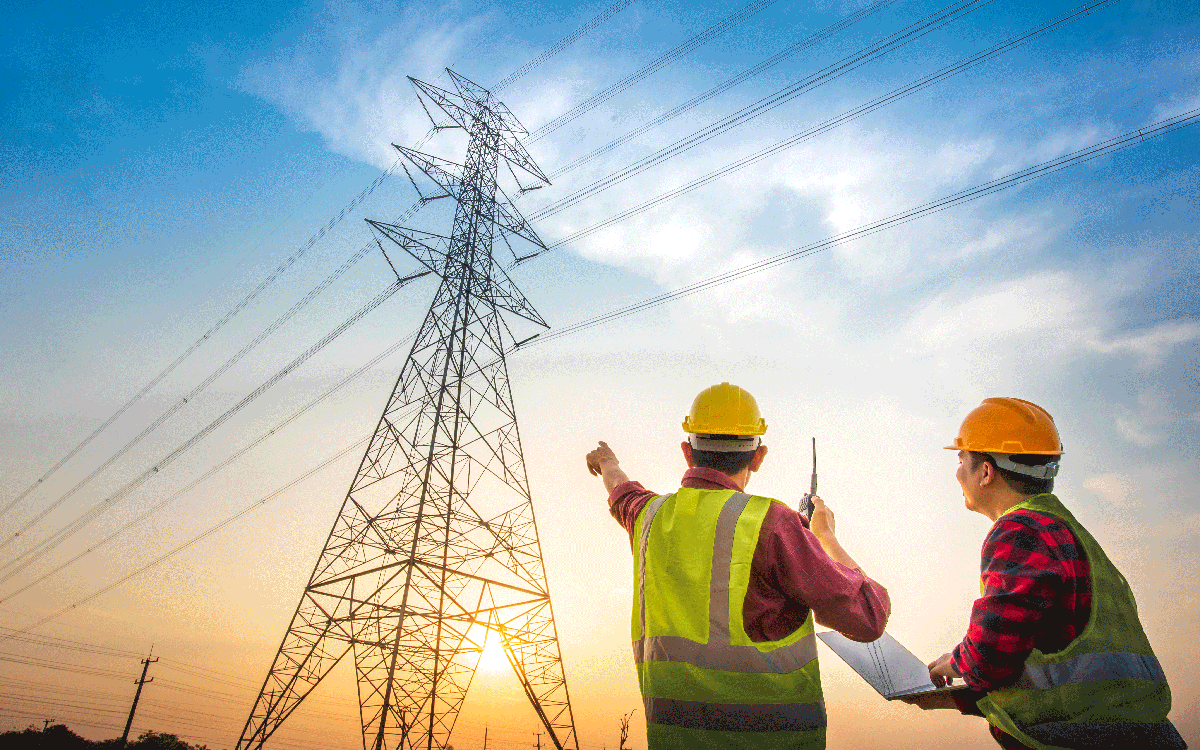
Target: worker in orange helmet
1055	655
726	589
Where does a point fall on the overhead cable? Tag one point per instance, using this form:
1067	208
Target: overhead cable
704	37
835	122
868	54
562	44
189	543
1095	151
291	260
197	390
721	88
160	505
59	536
279	270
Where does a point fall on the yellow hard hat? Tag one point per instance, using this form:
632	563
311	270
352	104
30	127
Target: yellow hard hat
724	410
1008	425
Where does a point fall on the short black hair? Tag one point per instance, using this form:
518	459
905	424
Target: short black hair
726	463
1021	483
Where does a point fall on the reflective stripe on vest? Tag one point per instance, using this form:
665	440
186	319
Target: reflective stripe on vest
736	717
719	654
1106	682
1090	667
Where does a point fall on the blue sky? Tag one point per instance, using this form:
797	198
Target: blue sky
158	161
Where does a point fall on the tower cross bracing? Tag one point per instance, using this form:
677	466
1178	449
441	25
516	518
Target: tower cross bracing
436	545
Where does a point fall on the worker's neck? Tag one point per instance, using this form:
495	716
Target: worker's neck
741	479
1001	502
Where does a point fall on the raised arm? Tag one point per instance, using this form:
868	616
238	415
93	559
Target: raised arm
603	462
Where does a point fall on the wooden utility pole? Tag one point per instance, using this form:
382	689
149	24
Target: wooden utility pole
140	682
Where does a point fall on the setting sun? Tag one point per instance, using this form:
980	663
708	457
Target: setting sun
492	659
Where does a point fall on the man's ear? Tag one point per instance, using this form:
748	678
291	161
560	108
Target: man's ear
687	454
759	456
987	473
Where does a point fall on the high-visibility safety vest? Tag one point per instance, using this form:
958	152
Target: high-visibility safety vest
1106	688
704	683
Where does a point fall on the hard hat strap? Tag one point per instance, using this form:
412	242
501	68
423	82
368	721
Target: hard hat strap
1038	471
724	443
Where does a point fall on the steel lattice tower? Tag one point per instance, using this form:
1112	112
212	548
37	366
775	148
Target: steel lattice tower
436	544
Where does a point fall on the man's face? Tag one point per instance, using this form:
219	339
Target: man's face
968	478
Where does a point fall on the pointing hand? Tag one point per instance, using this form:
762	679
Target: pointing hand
599	456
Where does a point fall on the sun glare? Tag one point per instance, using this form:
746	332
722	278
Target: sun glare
492	659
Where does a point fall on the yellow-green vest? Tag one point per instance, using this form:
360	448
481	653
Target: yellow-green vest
704	683
1106	687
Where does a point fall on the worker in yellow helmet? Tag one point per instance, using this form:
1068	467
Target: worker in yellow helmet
726	588
1055	654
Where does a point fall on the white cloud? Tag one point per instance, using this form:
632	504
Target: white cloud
1044	310
1151	346
363	101
1114	489
1149	423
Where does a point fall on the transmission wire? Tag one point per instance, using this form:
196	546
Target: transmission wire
196	391
562	44
699	40
1089	153
721	88
191	542
58	537
216	469
279	270
832	123
1095	151
870	53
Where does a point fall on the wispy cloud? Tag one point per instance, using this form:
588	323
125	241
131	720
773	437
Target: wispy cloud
347	79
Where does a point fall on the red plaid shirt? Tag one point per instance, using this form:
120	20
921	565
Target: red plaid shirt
1037	594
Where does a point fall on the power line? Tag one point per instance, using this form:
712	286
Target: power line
194	540
832	123
82	521
721	88
279	270
699	40
1094	151
64	643
562	44
62	666
870	53
291	260
198	389
1051	166
209	474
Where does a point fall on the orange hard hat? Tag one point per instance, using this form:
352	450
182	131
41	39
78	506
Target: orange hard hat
1008	425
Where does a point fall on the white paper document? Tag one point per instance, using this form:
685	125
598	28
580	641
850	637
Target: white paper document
889	667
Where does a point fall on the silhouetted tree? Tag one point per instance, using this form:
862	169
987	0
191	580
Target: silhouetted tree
625	728
59	737
55	737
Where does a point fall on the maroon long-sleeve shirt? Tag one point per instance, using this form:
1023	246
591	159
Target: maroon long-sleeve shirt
790	573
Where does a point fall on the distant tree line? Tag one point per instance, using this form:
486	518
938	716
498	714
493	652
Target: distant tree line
59	737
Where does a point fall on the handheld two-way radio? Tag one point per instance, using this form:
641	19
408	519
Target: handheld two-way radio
806	503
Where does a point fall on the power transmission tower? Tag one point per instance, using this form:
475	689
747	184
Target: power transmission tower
436	543
136	696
